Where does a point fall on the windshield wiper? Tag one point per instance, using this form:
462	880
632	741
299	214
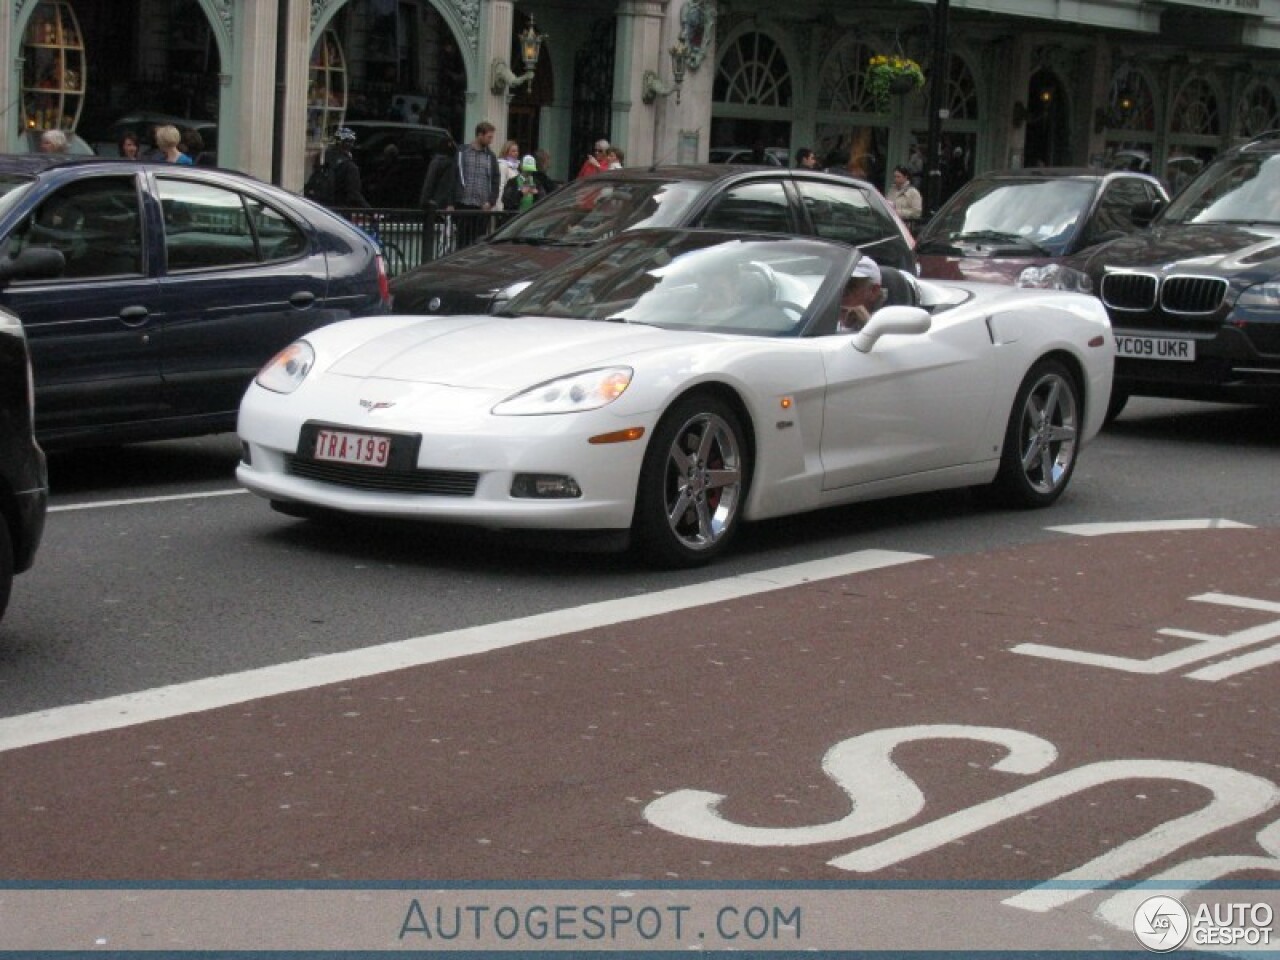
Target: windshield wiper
998	236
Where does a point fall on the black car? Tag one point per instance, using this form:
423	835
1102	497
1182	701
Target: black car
180	282
714	196
393	159
24	486
1002	222
1195	300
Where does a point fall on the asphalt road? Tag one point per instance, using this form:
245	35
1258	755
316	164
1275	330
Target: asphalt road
920	693
155	571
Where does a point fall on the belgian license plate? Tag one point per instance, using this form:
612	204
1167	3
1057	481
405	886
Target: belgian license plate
1156	348
364	449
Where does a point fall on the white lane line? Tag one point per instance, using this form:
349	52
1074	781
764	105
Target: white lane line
1148	526
129	503
213	692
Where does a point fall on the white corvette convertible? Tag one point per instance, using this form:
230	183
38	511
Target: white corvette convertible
672	384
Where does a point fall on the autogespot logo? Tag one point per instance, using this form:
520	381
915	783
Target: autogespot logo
1161	924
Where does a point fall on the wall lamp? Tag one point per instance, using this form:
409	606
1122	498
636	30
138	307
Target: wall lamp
653	85
502	80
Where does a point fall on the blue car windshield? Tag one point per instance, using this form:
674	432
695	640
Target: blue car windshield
594	209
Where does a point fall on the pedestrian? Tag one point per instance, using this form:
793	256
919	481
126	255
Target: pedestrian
508	167
127	145
613	158
544	170
53	141
806	159
167	139
478	171
595	163
442	186
904	196
524	189
335	182
192	144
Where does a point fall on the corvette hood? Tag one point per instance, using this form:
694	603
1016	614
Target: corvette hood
502	353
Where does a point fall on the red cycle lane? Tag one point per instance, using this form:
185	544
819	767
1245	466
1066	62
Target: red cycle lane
1103	705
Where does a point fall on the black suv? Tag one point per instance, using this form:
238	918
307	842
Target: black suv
24	487
712	196
1195	300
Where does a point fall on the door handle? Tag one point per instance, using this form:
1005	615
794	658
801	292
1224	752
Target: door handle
134	316
302	299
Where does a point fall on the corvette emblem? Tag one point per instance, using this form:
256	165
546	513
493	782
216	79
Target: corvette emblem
377	404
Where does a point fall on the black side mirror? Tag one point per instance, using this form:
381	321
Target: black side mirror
33	263
1143	213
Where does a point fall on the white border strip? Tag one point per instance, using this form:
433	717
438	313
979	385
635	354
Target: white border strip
210	693
1148	526
99	504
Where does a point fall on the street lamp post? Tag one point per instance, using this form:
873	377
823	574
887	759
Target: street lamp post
937	104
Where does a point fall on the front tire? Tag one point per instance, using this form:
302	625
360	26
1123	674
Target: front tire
1041	439
693	484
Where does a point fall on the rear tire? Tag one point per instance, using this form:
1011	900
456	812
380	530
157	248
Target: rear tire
6	565
693	484
1041	439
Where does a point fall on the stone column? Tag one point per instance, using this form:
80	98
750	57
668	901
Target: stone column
640	48
11	75
246	117
297	74
496	24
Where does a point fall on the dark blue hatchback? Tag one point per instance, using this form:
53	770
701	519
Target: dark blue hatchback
179	283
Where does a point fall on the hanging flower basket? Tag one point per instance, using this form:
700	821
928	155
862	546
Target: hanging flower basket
889	75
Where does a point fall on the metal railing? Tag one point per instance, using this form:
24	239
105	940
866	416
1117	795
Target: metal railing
410	237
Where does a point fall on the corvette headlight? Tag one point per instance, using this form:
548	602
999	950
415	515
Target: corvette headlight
285	371
588	390
1056	276
1264	295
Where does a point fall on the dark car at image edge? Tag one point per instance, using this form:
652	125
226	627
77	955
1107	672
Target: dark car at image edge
179	283
1195	300
713	196
24	485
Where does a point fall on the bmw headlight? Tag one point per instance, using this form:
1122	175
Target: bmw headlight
285	371
1056	276
1264	295
588	390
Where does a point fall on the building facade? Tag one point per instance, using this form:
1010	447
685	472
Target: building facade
1026	82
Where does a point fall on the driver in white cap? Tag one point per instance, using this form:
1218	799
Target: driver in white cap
862	296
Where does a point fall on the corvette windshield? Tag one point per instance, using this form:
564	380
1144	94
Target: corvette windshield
1241	188
588	211
689	282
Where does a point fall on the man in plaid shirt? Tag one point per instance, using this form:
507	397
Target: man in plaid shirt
478	169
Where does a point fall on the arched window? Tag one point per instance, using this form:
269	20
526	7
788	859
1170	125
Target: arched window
1258	110
1195	109
961	100
753	71
1131	104
842	87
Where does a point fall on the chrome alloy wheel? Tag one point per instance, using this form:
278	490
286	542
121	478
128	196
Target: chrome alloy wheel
703	481
1047	433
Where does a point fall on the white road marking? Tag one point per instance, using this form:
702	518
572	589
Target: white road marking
1148	526
97	505
213	692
